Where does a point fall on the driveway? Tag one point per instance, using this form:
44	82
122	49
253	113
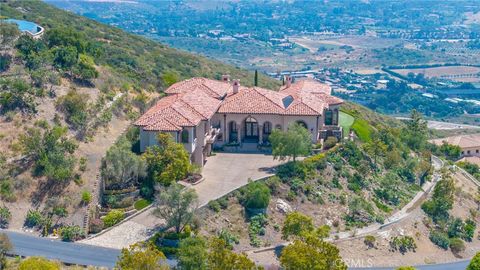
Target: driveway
223	173
226	172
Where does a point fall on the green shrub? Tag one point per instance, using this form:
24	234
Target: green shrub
257	195
34	218
440	239
469	230
474	263
369	241
74	105
330	142
96	225
228	237
257	227
457	245
140	204
113	217
72	233
403	244
5	217
223	202
273	183
214	206
86	197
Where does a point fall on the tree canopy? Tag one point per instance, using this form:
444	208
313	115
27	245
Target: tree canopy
168	161
294	142
176	205
142	257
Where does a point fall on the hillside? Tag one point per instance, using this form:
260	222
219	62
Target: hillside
139	60
66	98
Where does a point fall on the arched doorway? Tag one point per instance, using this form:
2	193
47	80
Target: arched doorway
251	129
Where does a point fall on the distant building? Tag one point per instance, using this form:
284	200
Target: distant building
470	144
200	113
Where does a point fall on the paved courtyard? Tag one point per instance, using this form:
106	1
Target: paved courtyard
223	173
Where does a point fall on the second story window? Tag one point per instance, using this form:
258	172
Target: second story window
185	136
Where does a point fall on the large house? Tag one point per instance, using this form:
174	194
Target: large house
201	113
469	144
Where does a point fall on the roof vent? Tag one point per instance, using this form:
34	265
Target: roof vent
236	86
225	78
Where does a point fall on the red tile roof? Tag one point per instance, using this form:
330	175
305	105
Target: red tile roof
197	99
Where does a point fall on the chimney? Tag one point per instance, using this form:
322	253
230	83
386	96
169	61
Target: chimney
236	86
225	78
288	80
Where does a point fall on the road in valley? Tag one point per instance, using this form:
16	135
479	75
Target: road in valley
67	252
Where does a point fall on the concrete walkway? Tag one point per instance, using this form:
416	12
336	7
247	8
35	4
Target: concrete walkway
223	173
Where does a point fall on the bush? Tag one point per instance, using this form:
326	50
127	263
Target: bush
228	237
257	195
257	227
113	217
96	225
214	206
330	142
34	218
86	197
369	241
403	244
74	105
474	263
457	245
72	233
273	183
469	230
440	239
223	202
5	217
140	204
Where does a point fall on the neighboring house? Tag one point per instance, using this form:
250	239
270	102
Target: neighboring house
200	113
470	144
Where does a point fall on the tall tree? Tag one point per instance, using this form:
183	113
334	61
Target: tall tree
5	247
311	253
416	131
442	199
141	257
177	206
294	142
255	80
297	224
221	257
168	161
192	254
121	167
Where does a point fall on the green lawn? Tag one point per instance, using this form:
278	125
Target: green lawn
346	121
142	203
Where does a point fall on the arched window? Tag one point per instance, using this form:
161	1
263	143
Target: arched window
303	124
185	136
